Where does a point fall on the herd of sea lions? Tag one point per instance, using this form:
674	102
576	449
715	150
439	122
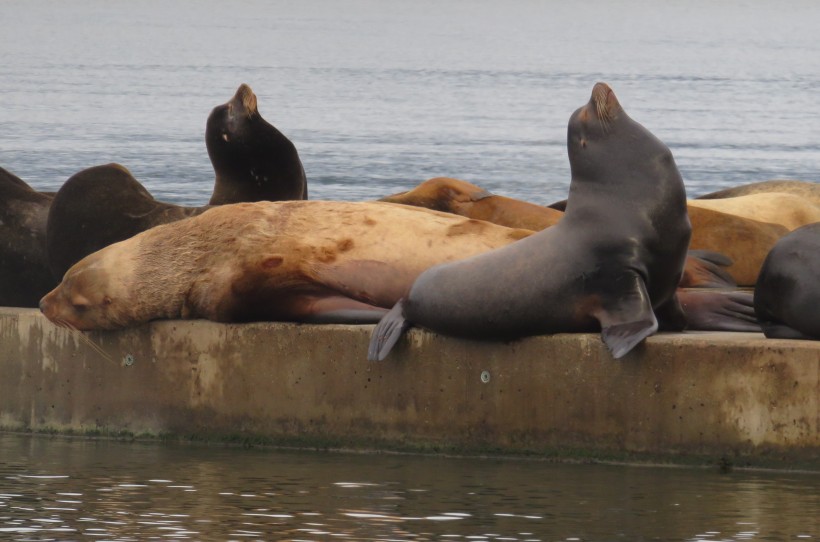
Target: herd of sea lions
625	254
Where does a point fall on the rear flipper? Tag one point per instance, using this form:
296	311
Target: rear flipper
719	311
782	331
705	269
387	332
628	318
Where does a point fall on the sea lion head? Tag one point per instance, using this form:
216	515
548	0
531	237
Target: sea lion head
92	294
591	128
227	127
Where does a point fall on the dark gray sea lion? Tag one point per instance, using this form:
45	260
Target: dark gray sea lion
99	206
24	274
805	189
787	295
612	263
253	161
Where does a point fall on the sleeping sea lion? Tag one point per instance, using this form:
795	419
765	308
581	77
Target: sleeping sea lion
787	296
745	242
466	199
789	210
306	261
611	263
805	189
99	206
24	274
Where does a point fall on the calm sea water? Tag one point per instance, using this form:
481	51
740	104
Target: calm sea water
379	95
52	489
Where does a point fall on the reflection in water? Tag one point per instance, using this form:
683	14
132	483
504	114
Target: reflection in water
54	489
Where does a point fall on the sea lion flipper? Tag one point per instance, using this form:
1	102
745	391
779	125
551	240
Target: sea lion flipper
705	269
719	311
387	332
628	319
774	330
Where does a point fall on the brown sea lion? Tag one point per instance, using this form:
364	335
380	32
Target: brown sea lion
787	295
746	242
807	190
612	263
253	161
303	261
465	199
789	210
24	274
307	261
99	206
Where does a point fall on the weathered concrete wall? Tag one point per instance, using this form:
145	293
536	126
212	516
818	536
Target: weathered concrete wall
679	396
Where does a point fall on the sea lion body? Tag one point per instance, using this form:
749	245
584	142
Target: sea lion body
309	261
24	273
465	199
746	242
613	261
788	210
252	160
99	206
787	295
807	190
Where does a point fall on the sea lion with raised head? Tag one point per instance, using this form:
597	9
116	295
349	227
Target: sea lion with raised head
787	295
610	264
252	160
99	206
24	274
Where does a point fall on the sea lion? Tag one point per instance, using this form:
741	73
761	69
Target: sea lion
611	263
24	274
787	296
253	161
807	190
466	199
309	261
306	261
746	242
789	210
99	206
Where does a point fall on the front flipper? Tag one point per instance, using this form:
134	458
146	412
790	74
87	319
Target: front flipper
336	309
387	333
626	315
711	310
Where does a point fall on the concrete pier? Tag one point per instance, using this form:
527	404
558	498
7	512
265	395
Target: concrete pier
735	398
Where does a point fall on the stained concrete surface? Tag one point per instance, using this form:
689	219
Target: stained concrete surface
734	397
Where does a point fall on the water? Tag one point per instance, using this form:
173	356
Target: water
380	95
54	489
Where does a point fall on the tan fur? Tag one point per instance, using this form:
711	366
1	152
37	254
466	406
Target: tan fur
745	240
266	260
465	199
788	210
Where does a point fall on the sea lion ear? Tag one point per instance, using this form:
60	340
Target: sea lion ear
107	300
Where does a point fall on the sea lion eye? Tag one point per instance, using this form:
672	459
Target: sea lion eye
79	307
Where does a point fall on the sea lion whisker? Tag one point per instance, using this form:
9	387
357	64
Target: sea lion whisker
84	338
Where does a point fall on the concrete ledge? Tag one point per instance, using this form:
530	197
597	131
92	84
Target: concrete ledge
733	397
